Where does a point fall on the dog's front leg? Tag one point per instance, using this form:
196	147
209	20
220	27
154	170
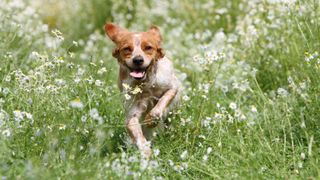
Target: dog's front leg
134	128
158	110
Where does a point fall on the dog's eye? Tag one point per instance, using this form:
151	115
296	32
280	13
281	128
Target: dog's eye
148	48
127	50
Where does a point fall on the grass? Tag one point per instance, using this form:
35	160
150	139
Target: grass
250	108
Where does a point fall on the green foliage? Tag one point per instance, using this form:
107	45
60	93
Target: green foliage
250	108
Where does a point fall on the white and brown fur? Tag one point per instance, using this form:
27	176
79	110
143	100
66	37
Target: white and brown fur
155	76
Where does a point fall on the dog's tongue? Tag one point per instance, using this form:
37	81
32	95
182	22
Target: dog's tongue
137	74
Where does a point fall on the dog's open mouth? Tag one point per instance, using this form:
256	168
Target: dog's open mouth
137	74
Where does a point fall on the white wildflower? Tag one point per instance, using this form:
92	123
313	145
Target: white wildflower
302	156
62	126
83	118
76	103
71	54
3	115
156	152
102	71
282	92
57	34
60	82
75	43
127	97
184	155
136	90
18	115
251	123
205	158
186	98
94	114
238	113
98	83
90	80
143	164
153	164
77	80
126	87
233	105
28	115
254	109
132	159
206	122
6	132
170	162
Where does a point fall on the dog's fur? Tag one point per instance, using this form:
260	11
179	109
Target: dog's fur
155	76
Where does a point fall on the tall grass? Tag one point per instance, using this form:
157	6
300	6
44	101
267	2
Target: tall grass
250	109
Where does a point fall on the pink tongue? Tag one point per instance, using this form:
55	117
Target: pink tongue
137	74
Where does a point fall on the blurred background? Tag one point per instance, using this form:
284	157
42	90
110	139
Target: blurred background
244	28
87	16
250	107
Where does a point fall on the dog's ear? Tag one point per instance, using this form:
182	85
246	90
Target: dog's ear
154	30
113	31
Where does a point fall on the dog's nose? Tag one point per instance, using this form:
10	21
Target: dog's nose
138	60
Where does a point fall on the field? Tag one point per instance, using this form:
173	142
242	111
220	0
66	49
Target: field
251	102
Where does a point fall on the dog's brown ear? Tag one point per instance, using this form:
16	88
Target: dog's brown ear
154	30
113	31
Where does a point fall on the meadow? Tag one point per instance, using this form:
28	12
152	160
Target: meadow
251	102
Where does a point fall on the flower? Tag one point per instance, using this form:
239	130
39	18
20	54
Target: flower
6	133
205	158
156	152
75	43
170	162
302	156
233	105
94	114
126	87
98	83
62	126
254	109
184	155
282	92
186	98
127	97
136	90
102	70
3	116
309	57
57	34
20	115
83	118
76	103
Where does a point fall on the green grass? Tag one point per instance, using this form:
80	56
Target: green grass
251	114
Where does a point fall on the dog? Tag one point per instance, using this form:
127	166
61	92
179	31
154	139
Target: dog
142	62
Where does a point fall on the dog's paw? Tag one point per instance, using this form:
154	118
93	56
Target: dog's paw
145	150
152	118
146	153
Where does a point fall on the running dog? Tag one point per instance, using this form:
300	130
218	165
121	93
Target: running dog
143	63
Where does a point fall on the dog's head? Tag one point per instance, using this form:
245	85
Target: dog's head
137	51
